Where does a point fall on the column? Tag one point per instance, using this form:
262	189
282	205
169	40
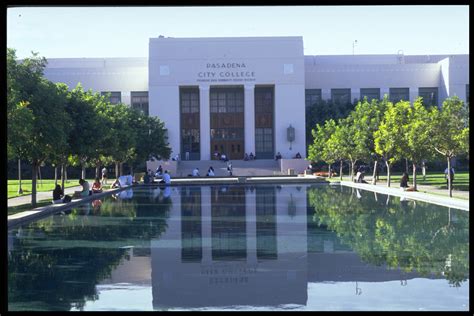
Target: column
249	118
413	94
355	94
384	91
205	126
325	94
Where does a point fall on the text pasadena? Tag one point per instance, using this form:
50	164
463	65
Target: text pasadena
225	65
227	74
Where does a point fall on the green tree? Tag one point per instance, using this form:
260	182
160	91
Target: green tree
151	138
123	142
366	118
50	127
84	132
389	138
19	114
450	133
318	151
417	132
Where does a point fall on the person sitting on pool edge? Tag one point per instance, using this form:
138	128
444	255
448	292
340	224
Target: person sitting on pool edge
166	178
404	183
97	186
59	197
85	189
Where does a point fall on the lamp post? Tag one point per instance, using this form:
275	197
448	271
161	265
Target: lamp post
354	43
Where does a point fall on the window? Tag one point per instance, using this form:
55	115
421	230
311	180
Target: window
139	101
226	100
429	95
341	96
189	101
370	93
263	140
190	140
115	97
397	94
313	96
190	123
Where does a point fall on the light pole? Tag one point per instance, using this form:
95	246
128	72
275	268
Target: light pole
354	43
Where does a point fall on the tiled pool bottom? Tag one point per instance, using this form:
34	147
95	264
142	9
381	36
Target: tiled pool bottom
262	247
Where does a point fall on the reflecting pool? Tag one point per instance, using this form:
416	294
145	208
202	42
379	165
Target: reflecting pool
241	247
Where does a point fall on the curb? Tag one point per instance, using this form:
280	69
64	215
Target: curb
40	212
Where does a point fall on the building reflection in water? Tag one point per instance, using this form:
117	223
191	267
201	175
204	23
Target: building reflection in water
232	245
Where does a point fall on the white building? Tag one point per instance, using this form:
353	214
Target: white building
248	94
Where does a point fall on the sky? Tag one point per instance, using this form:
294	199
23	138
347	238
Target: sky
56	32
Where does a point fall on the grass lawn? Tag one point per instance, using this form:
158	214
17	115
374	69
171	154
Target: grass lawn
437	180
46	185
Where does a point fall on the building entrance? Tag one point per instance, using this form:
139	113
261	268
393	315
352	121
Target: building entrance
232	148
227	122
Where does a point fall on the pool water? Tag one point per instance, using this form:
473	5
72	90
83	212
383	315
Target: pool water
241	247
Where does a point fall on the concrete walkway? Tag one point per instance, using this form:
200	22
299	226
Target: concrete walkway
426	193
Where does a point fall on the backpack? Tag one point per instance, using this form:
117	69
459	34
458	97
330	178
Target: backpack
67	199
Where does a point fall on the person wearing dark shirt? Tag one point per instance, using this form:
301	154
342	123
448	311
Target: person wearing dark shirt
57	194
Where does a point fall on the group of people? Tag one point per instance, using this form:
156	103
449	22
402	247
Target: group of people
248	157
221	156
210	172
59	197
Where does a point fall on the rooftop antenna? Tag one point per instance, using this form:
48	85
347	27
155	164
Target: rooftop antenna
401	57
354	43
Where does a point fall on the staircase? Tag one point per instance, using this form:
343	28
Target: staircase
261	167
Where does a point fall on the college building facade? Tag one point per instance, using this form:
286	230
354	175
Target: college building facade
248	94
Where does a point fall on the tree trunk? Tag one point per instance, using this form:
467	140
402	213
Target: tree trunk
40	177
83	172
340	170
65	172
450	186
55	176
414	176
116	170
63	175
97	171
329	170
352	169
423	169
388	173
131	170
20	190
121	169
34	174
374	175
406	165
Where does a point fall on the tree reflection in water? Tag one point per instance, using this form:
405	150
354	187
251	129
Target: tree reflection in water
410	235
57	262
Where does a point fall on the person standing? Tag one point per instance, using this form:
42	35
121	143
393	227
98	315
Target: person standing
104	175
229	169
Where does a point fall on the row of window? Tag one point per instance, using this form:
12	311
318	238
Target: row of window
343	96
138	99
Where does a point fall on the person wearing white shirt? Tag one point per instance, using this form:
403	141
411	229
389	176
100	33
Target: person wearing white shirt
210	172
166	178
196	172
